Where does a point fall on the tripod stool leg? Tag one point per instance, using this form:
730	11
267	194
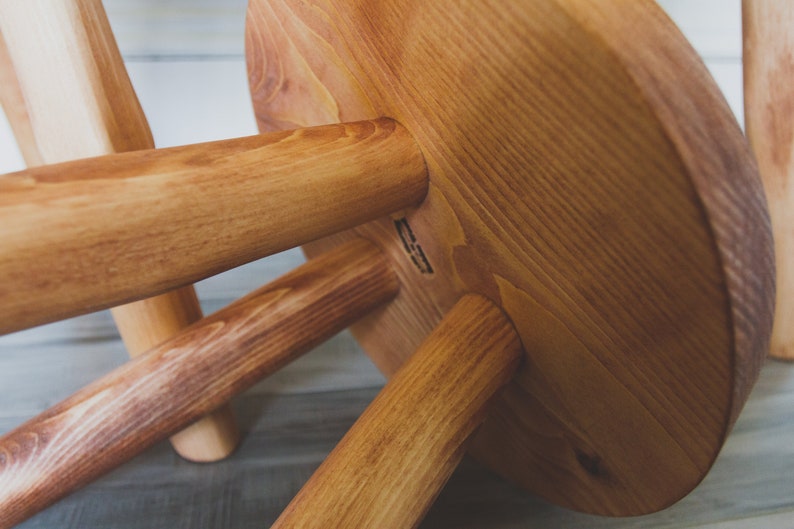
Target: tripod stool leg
101	116
395	459
769	122
90	227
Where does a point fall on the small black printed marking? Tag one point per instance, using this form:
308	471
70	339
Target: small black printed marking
410	232
412	247
401	225
424	260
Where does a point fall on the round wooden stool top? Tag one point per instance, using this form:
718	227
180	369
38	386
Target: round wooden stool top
586	176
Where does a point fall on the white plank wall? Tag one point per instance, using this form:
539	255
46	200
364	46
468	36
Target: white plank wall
187	63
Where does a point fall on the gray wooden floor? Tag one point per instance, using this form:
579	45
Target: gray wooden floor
294	419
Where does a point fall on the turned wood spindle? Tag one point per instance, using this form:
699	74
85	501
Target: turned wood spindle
77	102
393	462
154	395
185	213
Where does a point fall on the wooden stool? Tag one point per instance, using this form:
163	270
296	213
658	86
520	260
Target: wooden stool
540	218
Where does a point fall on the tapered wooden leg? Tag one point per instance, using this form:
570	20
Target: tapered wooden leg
769	121
393	462
77	236
144	401
83	103
13	103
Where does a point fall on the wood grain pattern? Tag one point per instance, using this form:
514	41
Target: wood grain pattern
393	462
80	38
77	235
147	323
288	434
769	118
69	45
292	420
198	370
587	176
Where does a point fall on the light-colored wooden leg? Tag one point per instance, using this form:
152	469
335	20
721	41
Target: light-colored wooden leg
769	121
101	116
77	94
143	401
13	103
393	462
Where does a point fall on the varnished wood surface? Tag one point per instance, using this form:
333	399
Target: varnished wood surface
393	462
592	182
186	377
77	235
291	422
671	399
149	322
87	106
750	486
